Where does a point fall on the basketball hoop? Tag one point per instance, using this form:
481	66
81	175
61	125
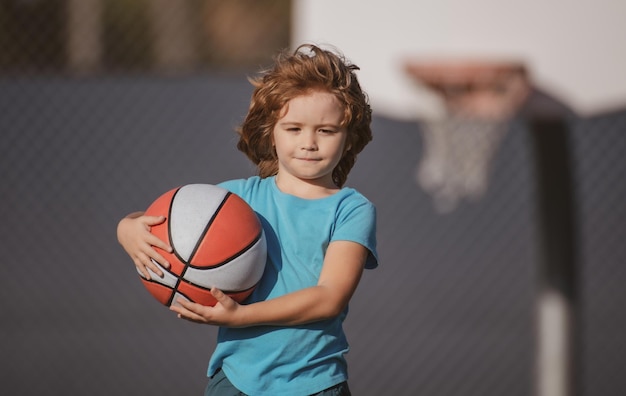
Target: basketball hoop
480	98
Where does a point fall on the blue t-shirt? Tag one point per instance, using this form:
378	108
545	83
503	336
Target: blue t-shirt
304	359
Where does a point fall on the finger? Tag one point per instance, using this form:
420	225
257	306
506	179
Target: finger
222	297
139	265
187	310
182	313
189	305
148	263
178	308
159	259
149	252
157	242
153	220
218	294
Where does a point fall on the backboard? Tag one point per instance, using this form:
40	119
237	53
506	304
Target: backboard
573	50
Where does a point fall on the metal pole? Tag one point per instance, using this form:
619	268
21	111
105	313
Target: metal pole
557	303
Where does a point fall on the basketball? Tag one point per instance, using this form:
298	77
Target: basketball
217	241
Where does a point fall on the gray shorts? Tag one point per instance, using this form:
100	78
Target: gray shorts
219	385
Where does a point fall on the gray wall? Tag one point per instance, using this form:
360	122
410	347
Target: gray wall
448	312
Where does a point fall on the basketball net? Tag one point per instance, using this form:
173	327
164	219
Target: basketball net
480	100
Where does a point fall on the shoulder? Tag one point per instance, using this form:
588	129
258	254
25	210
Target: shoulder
241	186
355	210
256	191
349	198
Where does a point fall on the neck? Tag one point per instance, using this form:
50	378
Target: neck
304	188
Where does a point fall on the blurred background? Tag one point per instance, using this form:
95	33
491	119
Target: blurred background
106	104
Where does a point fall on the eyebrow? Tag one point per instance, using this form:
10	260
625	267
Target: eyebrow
296	123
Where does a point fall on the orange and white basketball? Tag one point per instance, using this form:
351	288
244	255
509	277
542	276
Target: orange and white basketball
217	241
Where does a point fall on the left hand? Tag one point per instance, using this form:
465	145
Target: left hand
224	313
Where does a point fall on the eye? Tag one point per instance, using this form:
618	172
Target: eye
327	131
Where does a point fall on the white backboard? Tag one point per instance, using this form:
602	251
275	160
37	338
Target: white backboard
574	49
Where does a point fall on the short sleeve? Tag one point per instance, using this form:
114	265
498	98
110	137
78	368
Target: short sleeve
356	222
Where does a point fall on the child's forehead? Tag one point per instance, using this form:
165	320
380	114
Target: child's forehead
321	100
317	95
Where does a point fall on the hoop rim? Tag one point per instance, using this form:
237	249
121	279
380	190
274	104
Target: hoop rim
440	73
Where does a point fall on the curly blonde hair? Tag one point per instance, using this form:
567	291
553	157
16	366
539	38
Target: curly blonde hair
307	69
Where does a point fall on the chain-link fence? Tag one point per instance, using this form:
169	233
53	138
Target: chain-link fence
139	36
450	310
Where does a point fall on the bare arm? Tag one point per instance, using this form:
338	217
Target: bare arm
341	273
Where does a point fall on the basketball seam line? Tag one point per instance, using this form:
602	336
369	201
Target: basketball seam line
206	228
169	236
208	288
234	256
195	249
195	285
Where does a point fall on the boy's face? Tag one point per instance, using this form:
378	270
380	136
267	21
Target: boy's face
309	139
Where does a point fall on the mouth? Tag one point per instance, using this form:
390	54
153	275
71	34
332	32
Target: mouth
309	159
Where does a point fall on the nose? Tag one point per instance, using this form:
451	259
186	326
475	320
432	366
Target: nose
308	141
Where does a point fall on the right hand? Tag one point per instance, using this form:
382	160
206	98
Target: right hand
133	233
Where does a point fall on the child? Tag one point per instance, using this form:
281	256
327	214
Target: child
308	120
